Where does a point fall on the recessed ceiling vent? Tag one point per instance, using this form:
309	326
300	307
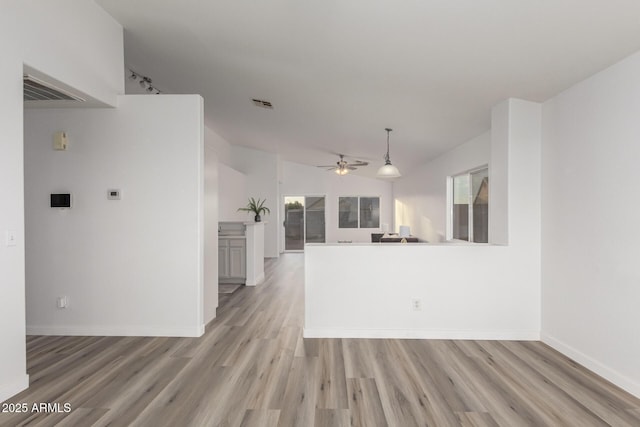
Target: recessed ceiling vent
262	104
39	90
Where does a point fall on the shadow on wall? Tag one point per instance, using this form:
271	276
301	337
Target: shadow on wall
428	232
421	227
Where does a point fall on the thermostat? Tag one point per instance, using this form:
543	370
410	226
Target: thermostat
61	200
113	194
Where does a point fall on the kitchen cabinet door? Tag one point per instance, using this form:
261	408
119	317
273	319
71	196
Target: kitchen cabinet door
223	259
237	258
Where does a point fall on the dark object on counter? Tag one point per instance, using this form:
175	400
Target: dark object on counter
397	239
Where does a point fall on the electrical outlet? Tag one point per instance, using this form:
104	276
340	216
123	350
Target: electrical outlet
62	302
416	304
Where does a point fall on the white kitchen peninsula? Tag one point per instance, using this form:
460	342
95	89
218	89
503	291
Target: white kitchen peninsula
241	252
421	290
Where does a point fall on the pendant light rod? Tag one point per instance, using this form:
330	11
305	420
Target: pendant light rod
387	159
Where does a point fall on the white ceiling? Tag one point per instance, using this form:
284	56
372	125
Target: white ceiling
339	71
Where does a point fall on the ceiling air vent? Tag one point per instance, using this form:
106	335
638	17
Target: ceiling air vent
262	104
38	90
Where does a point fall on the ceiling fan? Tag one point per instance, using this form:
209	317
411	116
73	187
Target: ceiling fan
343	167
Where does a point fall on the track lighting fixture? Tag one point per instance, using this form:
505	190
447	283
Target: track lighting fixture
144	82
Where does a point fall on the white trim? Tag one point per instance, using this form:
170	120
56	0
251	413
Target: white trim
439	334
258	280
380	220
118	331
593	365
13	387
449	201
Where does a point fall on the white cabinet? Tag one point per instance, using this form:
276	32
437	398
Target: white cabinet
237	258
223	258
232	256
241	252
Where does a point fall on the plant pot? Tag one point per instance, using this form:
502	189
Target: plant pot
257	218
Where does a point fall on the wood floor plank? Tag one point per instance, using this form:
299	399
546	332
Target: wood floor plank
576	383
442	391
402	398
533	386
82	417
253	367
357	360
260	418
584	376
332	418
505	408
476	419
332	386
300	396
364	403
451	382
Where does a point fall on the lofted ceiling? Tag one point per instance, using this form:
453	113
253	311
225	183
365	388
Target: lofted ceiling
339	71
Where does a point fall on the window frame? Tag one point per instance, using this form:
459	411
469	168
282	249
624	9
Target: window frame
359	225
450	205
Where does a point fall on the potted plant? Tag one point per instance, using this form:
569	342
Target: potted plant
257	207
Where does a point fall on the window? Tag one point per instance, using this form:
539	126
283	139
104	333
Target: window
469	209
348	212
359	212
369	212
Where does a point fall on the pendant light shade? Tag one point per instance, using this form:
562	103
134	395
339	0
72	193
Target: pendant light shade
388	170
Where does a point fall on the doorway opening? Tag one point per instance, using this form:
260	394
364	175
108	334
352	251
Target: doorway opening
304	221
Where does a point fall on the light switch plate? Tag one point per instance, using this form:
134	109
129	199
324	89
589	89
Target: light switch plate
10	238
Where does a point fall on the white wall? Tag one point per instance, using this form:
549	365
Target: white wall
48	35
128	267
233	194
471	291
45	36
420	198
219	145
590	276
261	171
372	295
303	180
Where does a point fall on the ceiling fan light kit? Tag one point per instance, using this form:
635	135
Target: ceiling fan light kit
388	170
343	167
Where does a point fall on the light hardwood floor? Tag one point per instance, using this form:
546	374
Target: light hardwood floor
253	368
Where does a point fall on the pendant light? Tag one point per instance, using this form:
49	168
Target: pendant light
388	170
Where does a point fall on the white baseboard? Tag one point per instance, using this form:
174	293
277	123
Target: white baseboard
213	316
594	365
117	331
258	280
519	335
13	387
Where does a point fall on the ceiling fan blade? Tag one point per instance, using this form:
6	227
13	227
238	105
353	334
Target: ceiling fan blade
358	163
343	165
